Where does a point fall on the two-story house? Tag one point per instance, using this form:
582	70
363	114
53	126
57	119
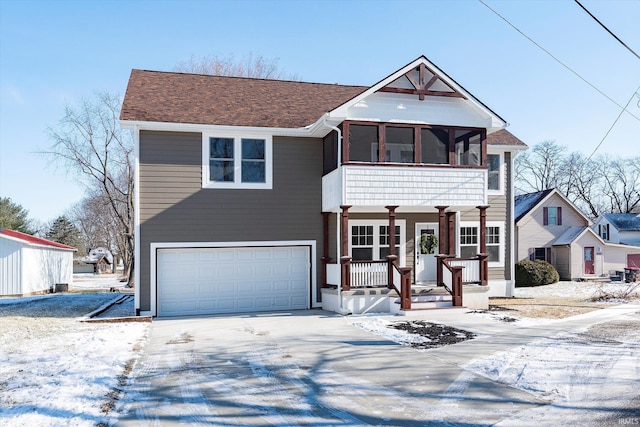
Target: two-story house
549	227
256	195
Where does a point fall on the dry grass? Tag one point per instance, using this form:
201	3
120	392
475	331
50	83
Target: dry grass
547	307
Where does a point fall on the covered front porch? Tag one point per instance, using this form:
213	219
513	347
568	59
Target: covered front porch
420	271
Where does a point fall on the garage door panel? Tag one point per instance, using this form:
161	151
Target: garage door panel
228	280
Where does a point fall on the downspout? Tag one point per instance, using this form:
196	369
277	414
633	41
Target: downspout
341	309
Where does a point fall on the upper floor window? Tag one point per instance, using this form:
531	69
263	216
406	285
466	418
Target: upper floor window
468	147
604	231
552	215
417	144
237	162
494	177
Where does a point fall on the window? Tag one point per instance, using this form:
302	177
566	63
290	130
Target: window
493	172
253	160
384	241
237	162
370	240
330	152
604	231
221	166
468	146
469	240
399	145
552	216
493	244
540	254
416	144
362	242
363	143
434	145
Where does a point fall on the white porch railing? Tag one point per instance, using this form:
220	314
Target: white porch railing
470	272
369	273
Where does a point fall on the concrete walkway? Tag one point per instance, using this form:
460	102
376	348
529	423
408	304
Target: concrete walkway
315	368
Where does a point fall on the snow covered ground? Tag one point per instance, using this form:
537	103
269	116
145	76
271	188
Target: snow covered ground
57	370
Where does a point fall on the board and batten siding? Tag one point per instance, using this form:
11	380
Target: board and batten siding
175	208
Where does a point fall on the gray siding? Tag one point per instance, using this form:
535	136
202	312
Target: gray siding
175	208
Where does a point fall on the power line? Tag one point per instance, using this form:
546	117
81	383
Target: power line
614	123
608	30
559	61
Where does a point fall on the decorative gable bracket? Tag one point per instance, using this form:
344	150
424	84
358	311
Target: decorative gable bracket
422	81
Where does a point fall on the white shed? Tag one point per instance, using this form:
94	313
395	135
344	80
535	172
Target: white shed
31	265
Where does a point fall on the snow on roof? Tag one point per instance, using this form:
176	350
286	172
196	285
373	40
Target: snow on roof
570	235
32	240
525	202
624	221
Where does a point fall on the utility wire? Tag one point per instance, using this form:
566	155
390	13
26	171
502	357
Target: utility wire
608	30
559	61
636	93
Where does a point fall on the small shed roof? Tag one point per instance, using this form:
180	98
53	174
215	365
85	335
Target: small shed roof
624	221
32	240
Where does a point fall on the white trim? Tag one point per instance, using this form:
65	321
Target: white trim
36	245
196	127
501	251
501	170
136	217
153	247
512	229
237	151
376	233
342	110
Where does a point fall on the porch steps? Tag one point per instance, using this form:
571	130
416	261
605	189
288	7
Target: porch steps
424	298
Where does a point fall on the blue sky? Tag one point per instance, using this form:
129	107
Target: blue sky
55	53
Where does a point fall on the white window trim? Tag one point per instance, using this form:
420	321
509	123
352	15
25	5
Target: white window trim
500	190
500	225
376	223
237	161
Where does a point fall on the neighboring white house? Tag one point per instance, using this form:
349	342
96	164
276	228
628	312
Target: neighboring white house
551	228
31	265
619	228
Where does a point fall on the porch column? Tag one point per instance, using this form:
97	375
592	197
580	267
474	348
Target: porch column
392	229
345	259
451	243
442	229
484	269
392	245
325	247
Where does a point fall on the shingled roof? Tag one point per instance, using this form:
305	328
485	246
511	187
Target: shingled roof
168	97
157	96
504	137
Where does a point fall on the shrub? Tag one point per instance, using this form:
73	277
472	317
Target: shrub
535	273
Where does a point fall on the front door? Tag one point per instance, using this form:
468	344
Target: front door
588	260
426	247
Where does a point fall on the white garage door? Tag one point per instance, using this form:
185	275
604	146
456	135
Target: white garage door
232	280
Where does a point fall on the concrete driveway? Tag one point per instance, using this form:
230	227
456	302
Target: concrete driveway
312	368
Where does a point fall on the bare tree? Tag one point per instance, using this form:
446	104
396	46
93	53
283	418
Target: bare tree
248	66
596	185
621	184
583	183
90	142
541	169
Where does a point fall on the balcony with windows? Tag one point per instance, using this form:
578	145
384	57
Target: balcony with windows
406	165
